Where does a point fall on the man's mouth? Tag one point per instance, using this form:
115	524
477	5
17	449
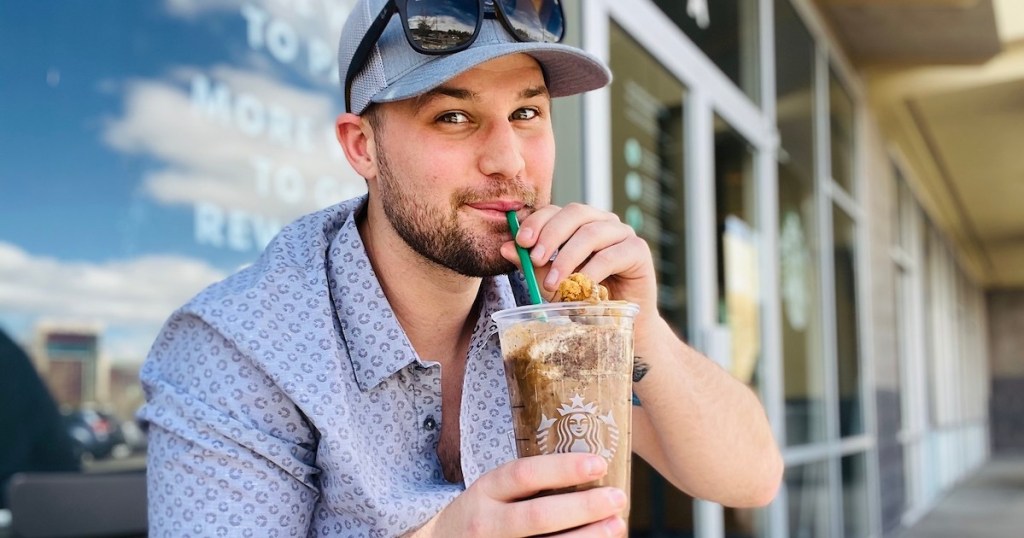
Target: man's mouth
499	206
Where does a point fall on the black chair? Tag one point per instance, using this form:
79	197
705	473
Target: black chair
55	505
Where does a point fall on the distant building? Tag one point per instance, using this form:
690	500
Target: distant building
68	358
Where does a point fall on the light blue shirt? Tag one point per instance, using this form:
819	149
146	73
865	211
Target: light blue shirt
286	400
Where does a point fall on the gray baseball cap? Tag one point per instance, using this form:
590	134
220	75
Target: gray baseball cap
394	71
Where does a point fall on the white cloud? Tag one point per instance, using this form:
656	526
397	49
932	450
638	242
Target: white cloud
130	299
323	18
211	161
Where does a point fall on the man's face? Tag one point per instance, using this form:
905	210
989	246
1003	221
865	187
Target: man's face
452	162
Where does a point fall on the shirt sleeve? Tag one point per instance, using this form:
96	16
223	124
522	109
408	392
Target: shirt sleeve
229	453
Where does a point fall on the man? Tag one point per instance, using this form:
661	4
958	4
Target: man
349	383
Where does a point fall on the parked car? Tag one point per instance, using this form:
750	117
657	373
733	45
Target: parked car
94	434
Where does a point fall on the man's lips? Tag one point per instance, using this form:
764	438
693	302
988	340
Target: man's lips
501	206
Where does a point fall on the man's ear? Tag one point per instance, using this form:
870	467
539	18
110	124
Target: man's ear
357	140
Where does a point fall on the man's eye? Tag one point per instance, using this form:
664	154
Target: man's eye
525	114
453	117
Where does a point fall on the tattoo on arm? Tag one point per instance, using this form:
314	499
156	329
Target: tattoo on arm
640	369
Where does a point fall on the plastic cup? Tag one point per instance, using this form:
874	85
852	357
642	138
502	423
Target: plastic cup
569	371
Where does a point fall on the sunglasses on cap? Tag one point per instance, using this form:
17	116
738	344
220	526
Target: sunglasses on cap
447	26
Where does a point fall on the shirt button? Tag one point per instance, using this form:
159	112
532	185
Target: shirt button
429	424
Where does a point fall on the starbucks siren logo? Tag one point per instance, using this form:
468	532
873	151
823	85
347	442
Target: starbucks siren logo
579	427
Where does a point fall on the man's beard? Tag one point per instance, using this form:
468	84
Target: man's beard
435	233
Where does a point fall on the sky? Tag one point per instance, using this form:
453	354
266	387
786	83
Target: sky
151	148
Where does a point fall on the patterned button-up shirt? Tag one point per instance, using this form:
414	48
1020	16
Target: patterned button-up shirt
287	401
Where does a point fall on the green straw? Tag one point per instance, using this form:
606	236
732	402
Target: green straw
524	259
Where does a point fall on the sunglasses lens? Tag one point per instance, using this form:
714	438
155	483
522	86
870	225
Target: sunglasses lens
442	25
535	20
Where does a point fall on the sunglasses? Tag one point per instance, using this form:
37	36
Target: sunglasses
447	26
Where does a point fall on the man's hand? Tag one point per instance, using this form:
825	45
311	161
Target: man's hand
588	241
494	506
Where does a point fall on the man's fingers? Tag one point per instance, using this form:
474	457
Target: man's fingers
524	477
548	228
589	240
555	513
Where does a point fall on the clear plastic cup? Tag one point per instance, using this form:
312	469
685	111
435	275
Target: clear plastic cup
569	370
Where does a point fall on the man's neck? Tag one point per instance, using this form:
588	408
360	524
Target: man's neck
434	304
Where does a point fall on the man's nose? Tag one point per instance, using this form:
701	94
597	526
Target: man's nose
501	152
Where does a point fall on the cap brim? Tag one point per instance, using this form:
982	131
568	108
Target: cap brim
567	70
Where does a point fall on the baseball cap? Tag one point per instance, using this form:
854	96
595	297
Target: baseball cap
394	71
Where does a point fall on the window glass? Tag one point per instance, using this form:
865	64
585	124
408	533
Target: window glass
727	32
739	290
150	148
841	130
851	421
648	164
739	293
799	251
807	492
856	523
648	193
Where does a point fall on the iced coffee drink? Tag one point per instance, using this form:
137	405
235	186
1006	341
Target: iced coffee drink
569	373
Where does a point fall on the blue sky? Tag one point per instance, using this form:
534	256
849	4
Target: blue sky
105	159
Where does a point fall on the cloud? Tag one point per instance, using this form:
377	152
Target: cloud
129	299
251	144
322	18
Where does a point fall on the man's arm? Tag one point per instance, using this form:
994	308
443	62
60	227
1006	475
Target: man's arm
702	429
228	454
713	426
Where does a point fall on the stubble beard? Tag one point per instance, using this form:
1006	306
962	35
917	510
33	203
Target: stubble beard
435	232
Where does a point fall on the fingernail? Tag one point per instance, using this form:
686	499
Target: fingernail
615	527
596	466
537	254
551	282
617	497
525	234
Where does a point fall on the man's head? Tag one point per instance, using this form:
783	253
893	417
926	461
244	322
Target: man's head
412	53
448	143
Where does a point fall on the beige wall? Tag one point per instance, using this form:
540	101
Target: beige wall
879	200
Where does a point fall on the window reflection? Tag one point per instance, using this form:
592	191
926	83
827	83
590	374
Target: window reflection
851	420
855	496
739	293
727	32
648	194
841	130
808	496
802	351
137	173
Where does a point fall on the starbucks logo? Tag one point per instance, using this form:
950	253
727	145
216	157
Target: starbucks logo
578	427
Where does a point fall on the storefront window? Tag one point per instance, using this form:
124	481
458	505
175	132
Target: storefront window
739	293
648	193
647	164
150	148
851	421
856	523
727	32
799	253
739	290
808	500
841	130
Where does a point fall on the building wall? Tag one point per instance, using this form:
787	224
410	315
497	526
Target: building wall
883	350
1006	341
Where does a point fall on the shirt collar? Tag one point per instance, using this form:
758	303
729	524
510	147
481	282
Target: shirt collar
377	346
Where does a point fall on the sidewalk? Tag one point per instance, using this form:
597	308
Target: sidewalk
989	504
